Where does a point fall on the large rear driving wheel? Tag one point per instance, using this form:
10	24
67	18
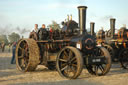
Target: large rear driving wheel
27	55
69	62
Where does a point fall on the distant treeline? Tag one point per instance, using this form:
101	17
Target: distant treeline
13	37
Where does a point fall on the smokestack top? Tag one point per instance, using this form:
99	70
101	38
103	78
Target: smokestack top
92	22
112	19
82	7
92	27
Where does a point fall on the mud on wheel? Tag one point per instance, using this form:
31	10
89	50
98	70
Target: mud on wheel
100	69
123	58
69	62
27	55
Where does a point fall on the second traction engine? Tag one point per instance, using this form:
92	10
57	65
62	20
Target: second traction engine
115	43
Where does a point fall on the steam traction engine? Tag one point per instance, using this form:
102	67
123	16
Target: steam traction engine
67	51
116	43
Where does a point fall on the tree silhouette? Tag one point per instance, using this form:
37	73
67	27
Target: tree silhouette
54	25
13	37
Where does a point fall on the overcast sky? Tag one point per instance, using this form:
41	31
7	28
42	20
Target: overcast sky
26	13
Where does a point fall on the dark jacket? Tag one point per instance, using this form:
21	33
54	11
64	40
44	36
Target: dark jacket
43	34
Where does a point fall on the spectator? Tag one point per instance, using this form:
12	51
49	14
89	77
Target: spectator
13	53
9	46
3	46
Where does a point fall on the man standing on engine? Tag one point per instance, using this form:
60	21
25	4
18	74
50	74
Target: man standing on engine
43	33
36	28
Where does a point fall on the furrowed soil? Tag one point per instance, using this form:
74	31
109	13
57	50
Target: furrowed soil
10	75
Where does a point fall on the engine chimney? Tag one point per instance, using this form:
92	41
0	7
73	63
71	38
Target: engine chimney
82	19
112	27
92	24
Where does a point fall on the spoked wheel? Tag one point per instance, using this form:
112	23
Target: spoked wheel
33	35
27	55
124	58
69	62
100	69
111	51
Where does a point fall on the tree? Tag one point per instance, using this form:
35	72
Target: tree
13	37
3	38
54	25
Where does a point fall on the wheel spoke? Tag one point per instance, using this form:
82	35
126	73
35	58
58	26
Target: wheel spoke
26	54
67	70
63	64
65	53
126	64
22	63
73	69
20	48
64	68
25	63
96	70
20	57
73	59
24	45
101	68
63	60
75	65
70	55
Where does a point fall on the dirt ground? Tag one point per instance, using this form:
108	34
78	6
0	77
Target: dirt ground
9	75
